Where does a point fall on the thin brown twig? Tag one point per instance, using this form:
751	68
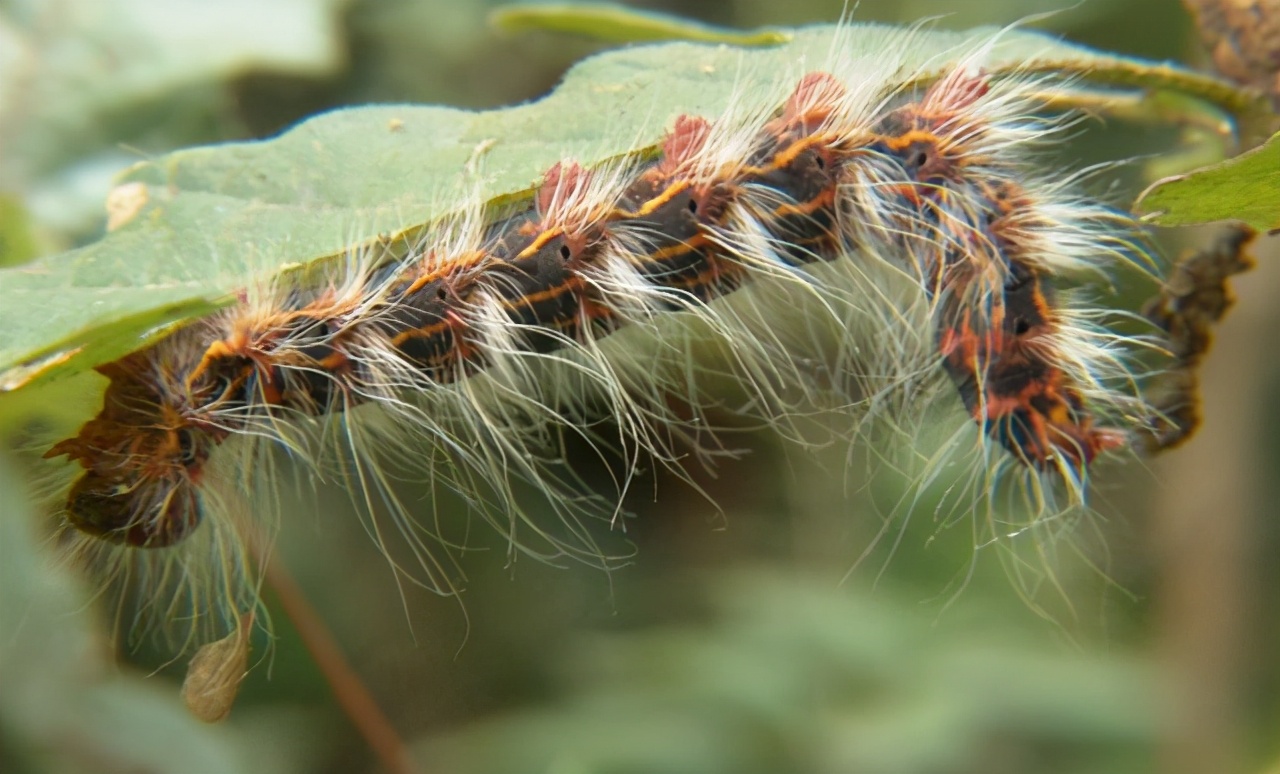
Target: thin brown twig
350	691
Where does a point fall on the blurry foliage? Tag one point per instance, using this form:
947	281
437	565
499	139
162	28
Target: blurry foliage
17	241
723	650
89	86
790	674
63	705
1243	37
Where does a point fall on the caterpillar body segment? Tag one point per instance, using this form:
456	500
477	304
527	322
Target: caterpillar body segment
497	331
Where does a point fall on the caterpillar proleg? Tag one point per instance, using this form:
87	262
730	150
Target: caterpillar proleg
885	236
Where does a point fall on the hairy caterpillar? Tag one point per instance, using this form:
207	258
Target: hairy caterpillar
918	223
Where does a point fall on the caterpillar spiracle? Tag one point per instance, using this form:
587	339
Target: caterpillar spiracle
887	236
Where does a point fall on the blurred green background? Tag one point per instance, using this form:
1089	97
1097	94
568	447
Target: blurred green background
786	628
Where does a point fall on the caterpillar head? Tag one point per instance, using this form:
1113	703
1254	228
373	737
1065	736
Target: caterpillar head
142	465
140	510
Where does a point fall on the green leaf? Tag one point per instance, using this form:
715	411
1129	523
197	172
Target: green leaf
215	217
619	24
1245	188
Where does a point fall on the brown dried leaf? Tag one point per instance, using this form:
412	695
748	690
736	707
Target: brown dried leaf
1194	299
